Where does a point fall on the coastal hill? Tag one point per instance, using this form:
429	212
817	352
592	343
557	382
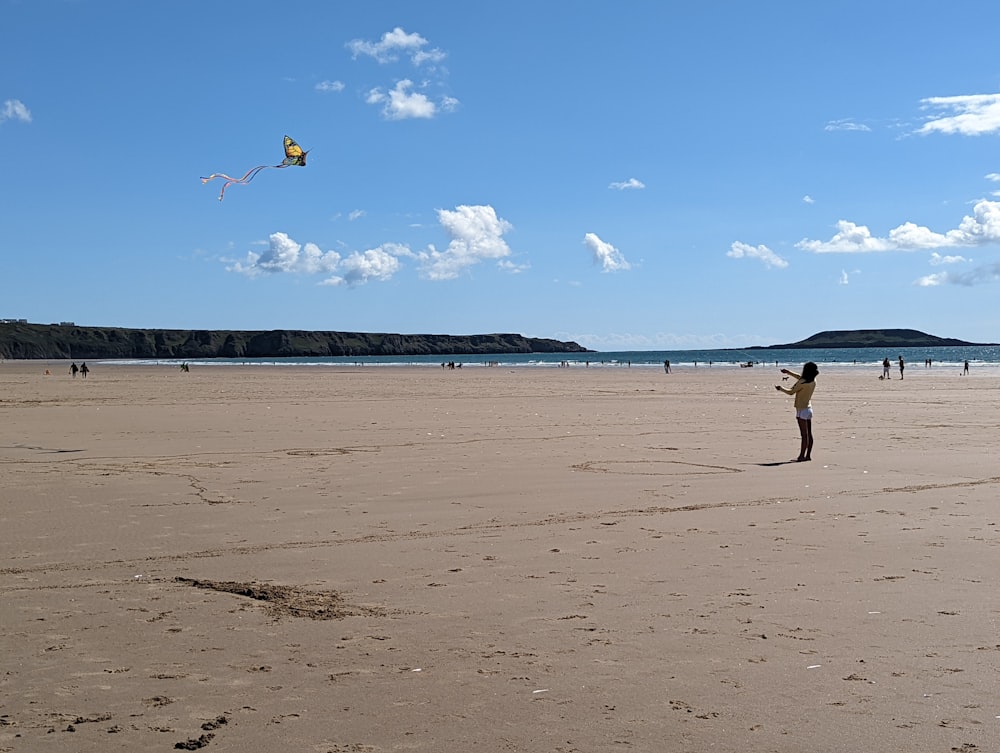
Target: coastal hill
68	341
871	338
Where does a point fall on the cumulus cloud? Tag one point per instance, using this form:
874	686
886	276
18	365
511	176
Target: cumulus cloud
399	103
376	264
330	86
285	255
476	236
627	184
978	276
807	199
979	228
15	109
968	115
392	44
405	100
937	260
607	256
745	251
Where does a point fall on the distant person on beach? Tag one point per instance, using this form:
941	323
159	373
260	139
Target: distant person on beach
885	367
803	389
666	367
901	367
84	370
965	370
73	368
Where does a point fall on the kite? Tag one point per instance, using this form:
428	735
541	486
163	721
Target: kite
294	155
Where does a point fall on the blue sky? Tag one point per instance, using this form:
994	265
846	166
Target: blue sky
628	175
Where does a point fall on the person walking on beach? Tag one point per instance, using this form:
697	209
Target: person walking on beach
666	367
84	370
803	389
901	367
885	368
73	368
966	369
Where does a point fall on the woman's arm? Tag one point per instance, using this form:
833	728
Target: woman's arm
795	388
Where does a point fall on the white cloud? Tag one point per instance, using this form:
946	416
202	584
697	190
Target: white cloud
394	42
981	227
844	279
845	125
745	251
995	177
971	115
405	100
330	86
929	281
356	214
428	56
626	184
937	260
15	109
978	276
377	264
285	255
400	104
609	257
807	199
509	266
476	235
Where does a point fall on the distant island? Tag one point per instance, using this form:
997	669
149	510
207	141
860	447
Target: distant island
871	338
65	341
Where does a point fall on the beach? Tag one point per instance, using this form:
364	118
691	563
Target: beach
569	559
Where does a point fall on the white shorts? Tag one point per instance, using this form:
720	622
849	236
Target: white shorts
805	414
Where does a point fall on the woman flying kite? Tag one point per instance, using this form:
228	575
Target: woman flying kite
293	156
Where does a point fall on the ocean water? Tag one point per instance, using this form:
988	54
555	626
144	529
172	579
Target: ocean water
978	356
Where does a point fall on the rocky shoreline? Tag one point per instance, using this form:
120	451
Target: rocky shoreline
21	340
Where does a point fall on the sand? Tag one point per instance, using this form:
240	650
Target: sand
489	559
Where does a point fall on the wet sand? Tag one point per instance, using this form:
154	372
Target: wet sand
490	559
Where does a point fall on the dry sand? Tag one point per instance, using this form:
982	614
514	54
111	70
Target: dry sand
416	559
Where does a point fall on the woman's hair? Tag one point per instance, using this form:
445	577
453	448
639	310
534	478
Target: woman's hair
809	372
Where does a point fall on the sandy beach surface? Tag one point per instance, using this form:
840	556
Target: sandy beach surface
493	559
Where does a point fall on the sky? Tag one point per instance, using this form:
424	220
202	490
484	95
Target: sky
642	175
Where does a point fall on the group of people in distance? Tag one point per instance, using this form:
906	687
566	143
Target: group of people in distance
83	369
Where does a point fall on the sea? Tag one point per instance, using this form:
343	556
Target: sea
981	358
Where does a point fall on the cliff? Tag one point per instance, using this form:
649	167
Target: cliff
872	338
68	341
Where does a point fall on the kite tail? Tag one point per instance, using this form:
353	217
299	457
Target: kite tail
251	174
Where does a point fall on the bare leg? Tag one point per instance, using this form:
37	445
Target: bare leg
805	430
805	433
